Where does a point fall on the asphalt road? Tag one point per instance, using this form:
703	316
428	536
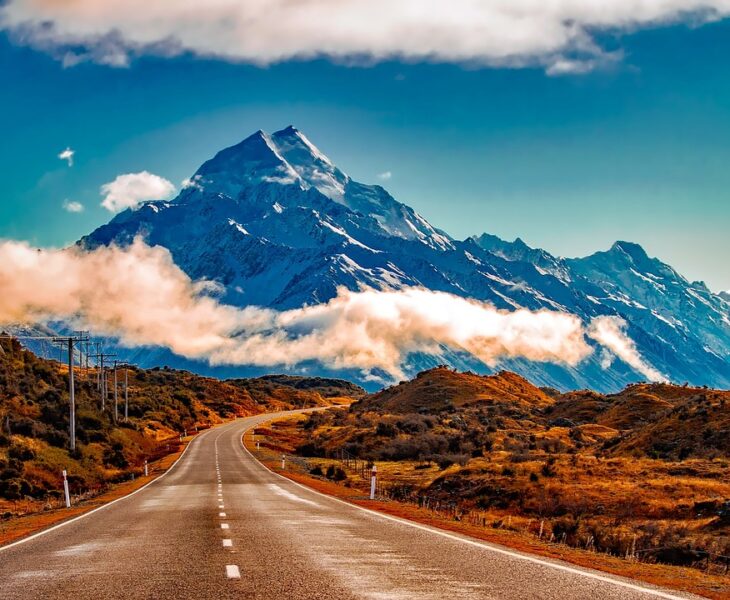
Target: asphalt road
220	525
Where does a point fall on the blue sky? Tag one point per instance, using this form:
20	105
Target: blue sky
637	149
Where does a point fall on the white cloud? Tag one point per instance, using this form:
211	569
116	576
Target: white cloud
610	332
139	295
193	182
385	175
560	35
129	190
68	156
72	206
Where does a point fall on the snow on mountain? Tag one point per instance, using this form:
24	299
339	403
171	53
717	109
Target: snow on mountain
277	224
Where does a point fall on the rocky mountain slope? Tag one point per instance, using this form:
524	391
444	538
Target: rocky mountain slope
277	224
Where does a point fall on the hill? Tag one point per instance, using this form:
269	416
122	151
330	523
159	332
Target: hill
645	470
163	403
324	386
657	420
442	388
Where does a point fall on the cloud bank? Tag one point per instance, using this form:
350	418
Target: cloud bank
128	191
140	296
560	35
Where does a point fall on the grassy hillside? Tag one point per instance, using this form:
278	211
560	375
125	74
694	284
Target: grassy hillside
644	472
163	403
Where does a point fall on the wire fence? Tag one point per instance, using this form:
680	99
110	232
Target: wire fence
540	528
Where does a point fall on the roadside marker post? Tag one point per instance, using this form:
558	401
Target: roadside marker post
145	468
283	462
65	490
373	479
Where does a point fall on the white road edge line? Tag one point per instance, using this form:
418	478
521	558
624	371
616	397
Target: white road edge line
456	538
232	572
103	506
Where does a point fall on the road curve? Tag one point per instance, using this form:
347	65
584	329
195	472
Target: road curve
220	525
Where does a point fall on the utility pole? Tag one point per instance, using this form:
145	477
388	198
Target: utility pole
69	343
116	396
83	338
102	380
101	357
72	396
98	371
126	392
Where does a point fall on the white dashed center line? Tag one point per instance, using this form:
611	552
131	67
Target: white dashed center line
224	526
227	543
232	572
222	514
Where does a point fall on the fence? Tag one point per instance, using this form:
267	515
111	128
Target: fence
452	511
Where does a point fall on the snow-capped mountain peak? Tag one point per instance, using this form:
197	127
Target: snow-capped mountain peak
312	166
250	162
276	223
262	166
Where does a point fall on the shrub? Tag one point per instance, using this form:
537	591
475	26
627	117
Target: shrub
444	461
311	449
114	456
547	470
385	430
21	453
335	473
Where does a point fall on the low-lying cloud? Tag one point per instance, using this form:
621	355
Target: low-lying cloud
138	295
131	189
560	35
610	332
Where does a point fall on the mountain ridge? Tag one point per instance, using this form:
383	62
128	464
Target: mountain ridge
277	224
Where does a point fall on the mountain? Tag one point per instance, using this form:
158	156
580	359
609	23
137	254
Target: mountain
277	224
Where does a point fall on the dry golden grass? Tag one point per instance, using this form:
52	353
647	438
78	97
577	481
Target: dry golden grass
628	493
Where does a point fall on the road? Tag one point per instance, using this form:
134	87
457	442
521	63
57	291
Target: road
220	525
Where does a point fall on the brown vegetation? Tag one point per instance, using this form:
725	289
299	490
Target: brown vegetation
643	474
163	405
